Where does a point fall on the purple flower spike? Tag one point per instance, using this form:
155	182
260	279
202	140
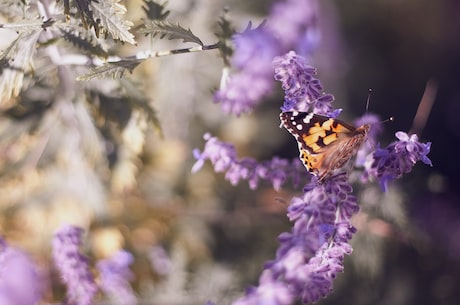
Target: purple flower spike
398	158
73	266
19	279
270	291
311	255
115	276
303	92
223	156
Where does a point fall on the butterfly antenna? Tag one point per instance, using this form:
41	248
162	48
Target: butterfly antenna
390	119
424	107
369	91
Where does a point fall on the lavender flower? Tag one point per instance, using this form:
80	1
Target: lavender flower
369	145
311	255
19	279
270	291
294	24
398	158
115	276
254	51
291	25
303	92
73	266
223	156
160	261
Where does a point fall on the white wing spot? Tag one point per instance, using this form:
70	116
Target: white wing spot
307	119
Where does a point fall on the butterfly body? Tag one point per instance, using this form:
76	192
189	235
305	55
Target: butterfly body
325	144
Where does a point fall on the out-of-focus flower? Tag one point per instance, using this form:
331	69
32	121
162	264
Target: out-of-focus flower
254	51
291	25
269	291
369	145
115	276
160	261
397	158
73	266
19	278
223	156
294	24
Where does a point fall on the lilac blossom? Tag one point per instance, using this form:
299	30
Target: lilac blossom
115	275
310	256
291	25
397	158
224	159
73	266
19	278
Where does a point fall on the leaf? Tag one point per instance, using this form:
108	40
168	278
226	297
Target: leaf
155	11
140	101
84	43
25	26
225	35
115	69
124	125
226	29
109	15
13	8
85	13
15	61
170	30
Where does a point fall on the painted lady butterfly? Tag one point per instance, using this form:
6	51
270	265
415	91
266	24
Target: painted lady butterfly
325	144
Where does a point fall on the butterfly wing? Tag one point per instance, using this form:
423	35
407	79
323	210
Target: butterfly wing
325	144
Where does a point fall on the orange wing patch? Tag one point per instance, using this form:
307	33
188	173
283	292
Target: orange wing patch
325	144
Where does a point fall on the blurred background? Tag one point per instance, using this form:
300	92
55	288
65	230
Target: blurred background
130	186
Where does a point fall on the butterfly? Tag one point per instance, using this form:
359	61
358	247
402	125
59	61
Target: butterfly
325	144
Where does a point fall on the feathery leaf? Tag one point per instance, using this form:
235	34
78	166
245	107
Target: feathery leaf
14	8
225	35
15	61
170	30
114	69
84	43
85	13
140	101
26	25
109	15
155	11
